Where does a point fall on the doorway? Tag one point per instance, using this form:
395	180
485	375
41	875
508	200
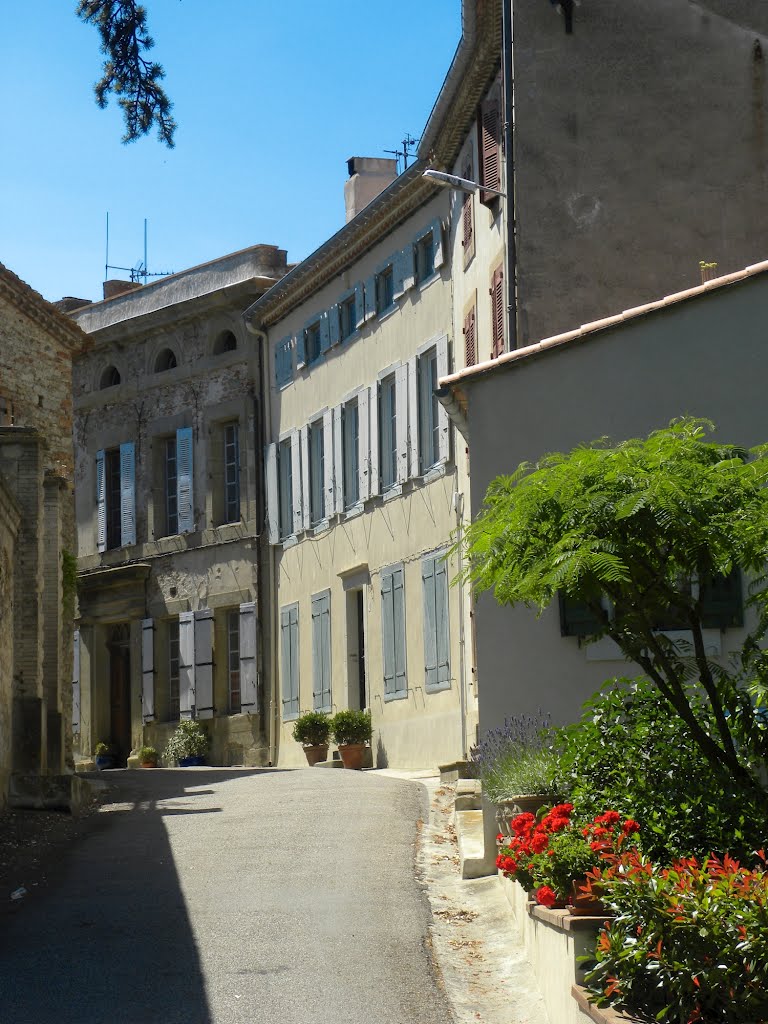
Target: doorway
357	696
120	692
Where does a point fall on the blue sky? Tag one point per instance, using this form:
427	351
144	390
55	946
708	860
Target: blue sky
270	98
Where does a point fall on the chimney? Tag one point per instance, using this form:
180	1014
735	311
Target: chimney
70	303
368	177
115	287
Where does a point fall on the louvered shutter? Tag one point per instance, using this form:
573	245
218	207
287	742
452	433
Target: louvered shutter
388	634
466	215
470	349
409	267
370	298
326	651
401	422
334	324
204	663
147	670
438	249
325	332
413	416
283	362
497	313
576	618
285	661
76	682
184	488
301	350
273	500
373	447
722	606
321	652
443	421
398	611
442	633
249	703
101	502
399	269
127	494
430	623
338	461
364	444
296	481
329	499
186	664
490	145
359	305
306	502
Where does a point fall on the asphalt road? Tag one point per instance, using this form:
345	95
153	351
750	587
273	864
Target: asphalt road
222	897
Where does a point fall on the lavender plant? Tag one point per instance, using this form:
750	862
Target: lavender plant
518	758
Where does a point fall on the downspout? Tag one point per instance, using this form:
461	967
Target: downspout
458	504
509	171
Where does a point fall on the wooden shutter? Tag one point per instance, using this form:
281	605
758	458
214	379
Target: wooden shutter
388	634
442	631
399	264
373	447
721	602
370	298
301	350
467	238
289	707
296	481
204	663
127	494
430	623
283	362
359	305
325	332
186	664
184	487
490	144
497	313
338	461
413	416
321	651
576	618
249	701
398	610
470	344
147	670
329	502
306	497
334	325
363	444
76	682
443	421
101	502
438	249
409	267
273	499
401	422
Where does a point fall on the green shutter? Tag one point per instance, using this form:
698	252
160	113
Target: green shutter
721	602
576	619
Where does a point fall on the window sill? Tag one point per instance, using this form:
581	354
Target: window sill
434	472
353	511
392	492
401	695
322	527
438	687
351	337
285	384
289	542
385	314
423	285
291	716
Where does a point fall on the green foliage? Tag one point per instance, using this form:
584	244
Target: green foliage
638	523
102	749
567	860
148	755
312	728
627	752
122	26
352	726
688	943
189	739
518	759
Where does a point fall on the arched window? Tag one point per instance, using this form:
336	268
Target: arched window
166	360
226	342
110	378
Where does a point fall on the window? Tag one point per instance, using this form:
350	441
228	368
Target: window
350	444
166	360
174	480
233	660
115	497
112	473
321	651
170	489
393	633
6	411
312	342
489	132
467	228
348	315
497	313
226	342
429	425
316	473
283	362
289	659
470	341
425	257
385	290
173	671
285	484
231	473
387	432
110	378
437	658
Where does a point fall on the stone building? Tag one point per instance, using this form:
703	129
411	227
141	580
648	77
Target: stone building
169	504
37	540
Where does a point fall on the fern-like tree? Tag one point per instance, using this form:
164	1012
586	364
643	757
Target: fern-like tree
134	80
635	532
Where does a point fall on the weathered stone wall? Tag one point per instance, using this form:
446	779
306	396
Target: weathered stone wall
9	524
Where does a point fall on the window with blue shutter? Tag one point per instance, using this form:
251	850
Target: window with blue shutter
116	497
437	655
321	651
325	333
185	506
393	633
283	362
289	660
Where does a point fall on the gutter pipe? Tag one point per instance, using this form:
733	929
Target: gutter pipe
509	172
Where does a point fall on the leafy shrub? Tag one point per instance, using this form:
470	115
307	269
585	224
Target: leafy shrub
147	755
312	728
189	739
352	726
518	759
688	943
628	753
102	749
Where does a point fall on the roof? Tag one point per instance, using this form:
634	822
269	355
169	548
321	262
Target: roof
19	294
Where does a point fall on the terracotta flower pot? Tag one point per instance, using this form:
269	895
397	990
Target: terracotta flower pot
584	904
316	753
148	764
352	755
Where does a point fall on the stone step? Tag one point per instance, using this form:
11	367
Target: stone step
469	833
468	795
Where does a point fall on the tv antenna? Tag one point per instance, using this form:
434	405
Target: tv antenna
139	272
408	143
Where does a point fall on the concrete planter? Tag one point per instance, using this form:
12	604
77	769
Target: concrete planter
524	803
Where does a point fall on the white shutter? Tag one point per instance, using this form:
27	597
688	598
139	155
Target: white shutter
296	480
437	243
409	267
186	664
413	417
328	466
127	494
338	461
184	486
363	444
443	422
373	439
147	670
101	502
401	422
204	663
273	500
248	659
305	504
76	683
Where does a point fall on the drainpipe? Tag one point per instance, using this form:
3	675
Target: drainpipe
509	171
458	504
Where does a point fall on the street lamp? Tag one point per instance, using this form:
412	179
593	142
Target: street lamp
462	184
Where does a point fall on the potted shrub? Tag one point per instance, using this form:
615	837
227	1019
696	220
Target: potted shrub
148	757
188	744
312	730
352	730
103	756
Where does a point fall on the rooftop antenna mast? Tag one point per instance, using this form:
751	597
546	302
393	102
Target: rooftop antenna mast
139	273
404	154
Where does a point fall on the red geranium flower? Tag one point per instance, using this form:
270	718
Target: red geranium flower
629	826
546	896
